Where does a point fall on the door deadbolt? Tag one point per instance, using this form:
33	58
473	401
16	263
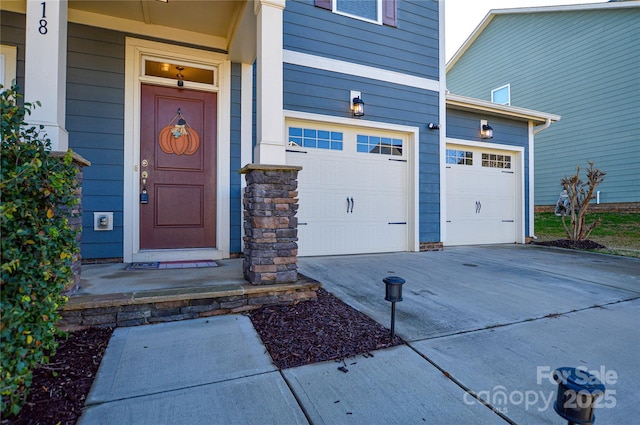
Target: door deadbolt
145	163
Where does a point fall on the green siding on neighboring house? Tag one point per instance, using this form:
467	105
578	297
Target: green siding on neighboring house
581	64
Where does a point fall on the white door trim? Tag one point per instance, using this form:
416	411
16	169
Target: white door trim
518	152
134	50
413	135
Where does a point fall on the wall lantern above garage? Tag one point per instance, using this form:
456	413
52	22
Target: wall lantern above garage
486	131
357	104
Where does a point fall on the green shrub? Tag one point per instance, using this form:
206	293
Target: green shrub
37	245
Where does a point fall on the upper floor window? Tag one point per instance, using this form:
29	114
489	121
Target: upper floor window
375	11
501	95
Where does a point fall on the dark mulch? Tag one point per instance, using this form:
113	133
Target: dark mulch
316	331
59	389
295	335
566	243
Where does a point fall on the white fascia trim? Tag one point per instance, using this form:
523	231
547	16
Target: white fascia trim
568	8
414	138
455	101
350	68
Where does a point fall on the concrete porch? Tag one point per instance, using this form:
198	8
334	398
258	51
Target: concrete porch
111	295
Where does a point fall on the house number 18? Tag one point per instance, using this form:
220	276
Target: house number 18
42	29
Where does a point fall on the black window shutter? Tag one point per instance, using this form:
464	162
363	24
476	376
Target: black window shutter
389	12
325	4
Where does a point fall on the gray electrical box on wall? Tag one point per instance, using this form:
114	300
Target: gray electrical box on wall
102	221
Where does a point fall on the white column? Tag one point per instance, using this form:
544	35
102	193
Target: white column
270	147
46	67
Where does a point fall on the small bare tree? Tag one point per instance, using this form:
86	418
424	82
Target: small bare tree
580	194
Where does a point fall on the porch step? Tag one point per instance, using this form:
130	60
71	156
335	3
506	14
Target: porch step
167	305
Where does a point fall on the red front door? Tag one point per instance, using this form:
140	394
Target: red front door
180	166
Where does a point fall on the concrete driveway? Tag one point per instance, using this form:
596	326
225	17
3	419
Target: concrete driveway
498	320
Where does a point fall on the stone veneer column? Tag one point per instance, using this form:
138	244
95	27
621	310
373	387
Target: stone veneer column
75	220
270	225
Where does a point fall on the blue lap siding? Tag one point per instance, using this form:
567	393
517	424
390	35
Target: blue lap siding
95	122
411	49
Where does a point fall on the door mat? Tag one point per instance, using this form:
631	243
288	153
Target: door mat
157	265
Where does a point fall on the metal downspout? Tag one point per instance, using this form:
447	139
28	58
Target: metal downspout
538	129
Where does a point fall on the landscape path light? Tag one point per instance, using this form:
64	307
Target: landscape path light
577	394
393	294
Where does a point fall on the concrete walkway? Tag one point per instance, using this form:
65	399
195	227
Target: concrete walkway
492	321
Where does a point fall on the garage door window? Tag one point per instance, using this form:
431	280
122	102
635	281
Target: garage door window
496	161
312	138
459	157
379	145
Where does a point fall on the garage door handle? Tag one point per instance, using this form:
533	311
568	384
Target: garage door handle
397	222
349	205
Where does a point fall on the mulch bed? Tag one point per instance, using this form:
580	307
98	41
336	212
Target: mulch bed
317	331
585	244
295	335
59	389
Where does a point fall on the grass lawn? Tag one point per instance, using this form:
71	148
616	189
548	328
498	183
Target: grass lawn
619	232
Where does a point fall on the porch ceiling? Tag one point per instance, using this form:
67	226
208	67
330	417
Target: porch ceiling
228	25
217	18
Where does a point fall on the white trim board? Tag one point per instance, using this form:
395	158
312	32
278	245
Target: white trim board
350	68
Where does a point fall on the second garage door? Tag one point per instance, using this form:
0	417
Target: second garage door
482	196
352	188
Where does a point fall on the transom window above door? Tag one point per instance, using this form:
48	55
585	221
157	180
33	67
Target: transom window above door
179	71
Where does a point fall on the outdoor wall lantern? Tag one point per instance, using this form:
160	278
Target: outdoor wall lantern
486	131
180	76
433	126
357	104
577	394
394	294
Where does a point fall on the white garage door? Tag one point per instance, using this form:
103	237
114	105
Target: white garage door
352	189
481	196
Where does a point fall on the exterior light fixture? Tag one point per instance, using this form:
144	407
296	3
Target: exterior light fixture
180	75
433	126
357	104
393	293
486	131
577	394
